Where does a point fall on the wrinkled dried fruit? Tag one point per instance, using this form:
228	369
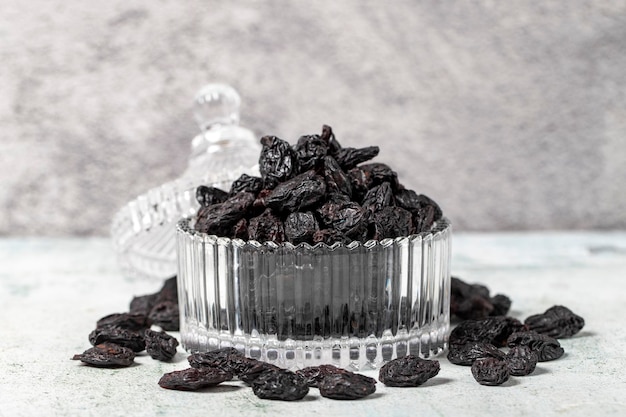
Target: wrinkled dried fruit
337	181
349	158
107	355
281	385
408	371
315	374
466	354
494	330
547	348
557	322
128	321
277	161
300	227
490	371
219	219
266	228
310	151
131	339
521	360
390	222
192	379
166	315
218	358
245	183
297	194
472	301
346	386
160	345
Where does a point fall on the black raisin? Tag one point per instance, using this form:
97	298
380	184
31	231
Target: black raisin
107	355
557	322
297	194
160	345
277	162
408	371
266	227
192	379
521	360
281	385
207	196
346	386
490	371
547	348
466	354
300	227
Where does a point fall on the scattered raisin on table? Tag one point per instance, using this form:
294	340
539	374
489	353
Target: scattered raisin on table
160	345
466	354
490	371
547	348
408	371
346	386
281	385
131	339
192	379
557	321
521	360
494	330
315	374
107	355
473	301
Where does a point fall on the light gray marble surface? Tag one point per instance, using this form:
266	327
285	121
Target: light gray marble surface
53	290
511	114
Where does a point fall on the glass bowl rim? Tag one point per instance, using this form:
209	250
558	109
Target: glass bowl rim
183	226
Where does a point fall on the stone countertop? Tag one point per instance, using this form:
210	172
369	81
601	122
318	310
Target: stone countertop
53	290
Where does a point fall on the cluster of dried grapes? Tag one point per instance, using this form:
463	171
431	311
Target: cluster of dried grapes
316	191
477	342
271	382
118	337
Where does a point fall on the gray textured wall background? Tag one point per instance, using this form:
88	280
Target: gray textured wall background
512	115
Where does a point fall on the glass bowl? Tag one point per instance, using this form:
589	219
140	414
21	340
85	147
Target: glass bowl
355	305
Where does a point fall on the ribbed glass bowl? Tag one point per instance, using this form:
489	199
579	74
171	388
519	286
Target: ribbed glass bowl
354	305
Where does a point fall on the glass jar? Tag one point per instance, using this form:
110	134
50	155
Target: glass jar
143	231
353	305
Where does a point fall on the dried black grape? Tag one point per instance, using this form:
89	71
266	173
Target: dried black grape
266	227
473	301
466	354
219	358
408	371
256	368
390	222
310	151
501	305
160	345
315	374
240	230
277	162
297	194
219	219
207	196
490	371
424	210
547	348
494	330
300	227
128	321
557	322
349	158
521	360
166	315
337	181
107	355
142	304
344	216
329	137
376	173
281	385
192	379
245	183
378	197
130	339
359	183
346	386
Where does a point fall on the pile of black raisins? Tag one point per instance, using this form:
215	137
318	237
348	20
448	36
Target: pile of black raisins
119	336
477	341
315	191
